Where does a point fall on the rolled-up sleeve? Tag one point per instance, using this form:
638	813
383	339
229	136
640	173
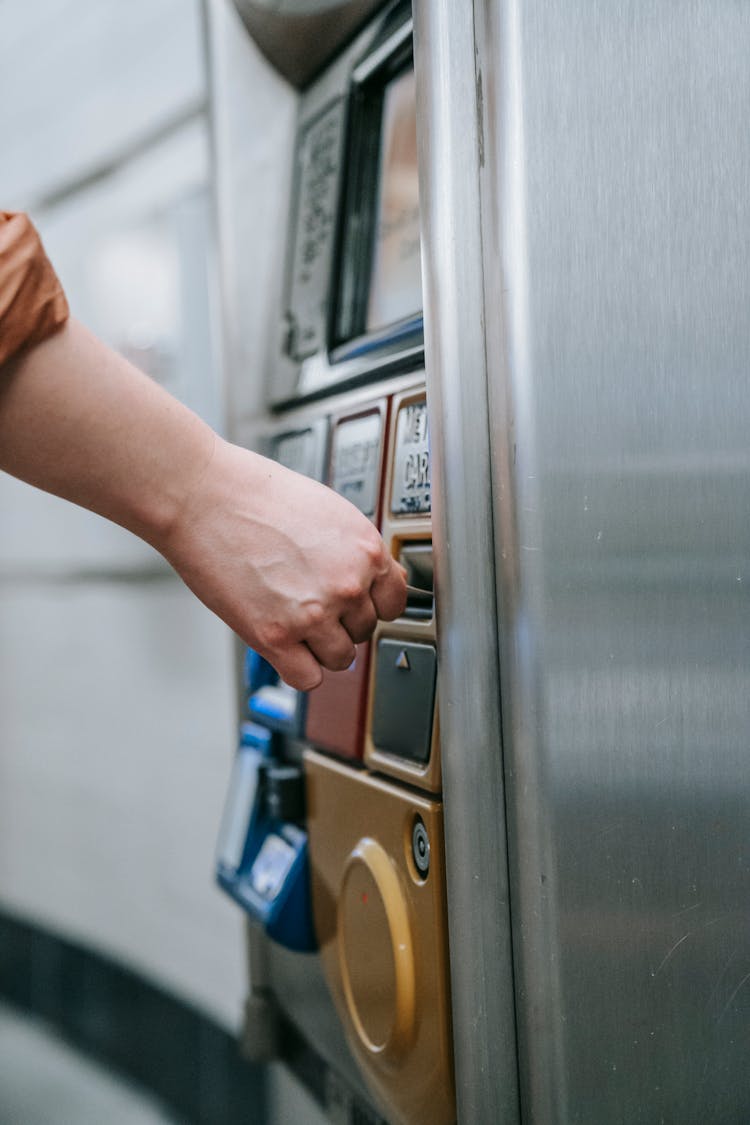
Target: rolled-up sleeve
32	302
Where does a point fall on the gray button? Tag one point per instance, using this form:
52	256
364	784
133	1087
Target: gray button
404	699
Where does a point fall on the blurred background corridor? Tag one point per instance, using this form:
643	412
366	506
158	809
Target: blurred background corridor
116	685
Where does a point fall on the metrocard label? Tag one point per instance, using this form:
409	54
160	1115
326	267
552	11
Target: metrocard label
411	464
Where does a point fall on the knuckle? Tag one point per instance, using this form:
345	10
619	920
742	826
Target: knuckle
314	615
272	635
351	588
375	550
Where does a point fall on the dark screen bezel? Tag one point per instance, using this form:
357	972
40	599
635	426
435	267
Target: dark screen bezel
355	241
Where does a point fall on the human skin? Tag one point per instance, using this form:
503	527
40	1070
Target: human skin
297	571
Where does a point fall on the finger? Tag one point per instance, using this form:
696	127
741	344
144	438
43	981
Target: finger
360	621
297	667
389	592
332	646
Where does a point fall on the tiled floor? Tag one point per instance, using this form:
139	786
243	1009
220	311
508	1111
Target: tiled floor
44	1082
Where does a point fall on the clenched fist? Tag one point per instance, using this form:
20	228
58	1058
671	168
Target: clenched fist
298	572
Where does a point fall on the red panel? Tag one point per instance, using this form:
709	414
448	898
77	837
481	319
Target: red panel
336	709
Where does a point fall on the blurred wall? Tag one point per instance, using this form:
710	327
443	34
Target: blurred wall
116	689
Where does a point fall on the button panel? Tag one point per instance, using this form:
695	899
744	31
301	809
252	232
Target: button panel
402	738
404	703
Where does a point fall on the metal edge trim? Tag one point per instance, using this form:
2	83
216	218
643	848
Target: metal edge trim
450	155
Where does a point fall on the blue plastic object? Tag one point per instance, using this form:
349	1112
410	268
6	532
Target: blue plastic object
257	672
270	701
251	734
411	331
262	862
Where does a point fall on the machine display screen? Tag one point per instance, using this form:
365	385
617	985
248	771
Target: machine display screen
396	283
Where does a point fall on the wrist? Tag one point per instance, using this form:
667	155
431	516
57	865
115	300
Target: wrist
163	513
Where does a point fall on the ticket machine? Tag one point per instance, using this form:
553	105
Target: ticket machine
332	839
550	430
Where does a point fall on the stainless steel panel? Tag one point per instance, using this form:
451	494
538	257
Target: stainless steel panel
616	229
302	993
475	831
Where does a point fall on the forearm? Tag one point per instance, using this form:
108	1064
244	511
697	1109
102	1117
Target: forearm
78	420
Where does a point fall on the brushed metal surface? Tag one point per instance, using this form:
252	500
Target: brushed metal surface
472	770
616	223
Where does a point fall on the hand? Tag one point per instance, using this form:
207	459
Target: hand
297	571
293	568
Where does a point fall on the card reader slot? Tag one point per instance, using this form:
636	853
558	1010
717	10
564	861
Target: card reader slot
416	559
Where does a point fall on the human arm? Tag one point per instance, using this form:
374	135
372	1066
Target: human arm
293	568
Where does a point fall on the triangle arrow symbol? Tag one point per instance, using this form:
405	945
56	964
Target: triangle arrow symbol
403	661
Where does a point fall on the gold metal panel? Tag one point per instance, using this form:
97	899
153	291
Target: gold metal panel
382	929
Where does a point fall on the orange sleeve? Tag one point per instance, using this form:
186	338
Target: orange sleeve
32	302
